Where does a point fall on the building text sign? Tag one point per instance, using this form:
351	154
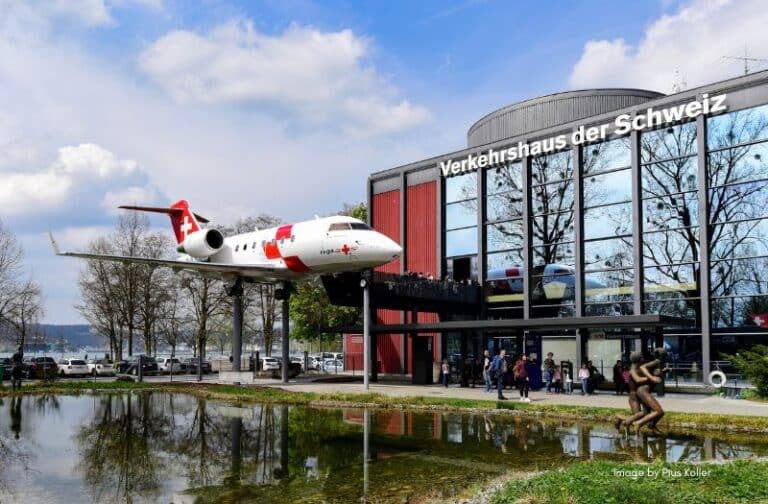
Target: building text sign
622	125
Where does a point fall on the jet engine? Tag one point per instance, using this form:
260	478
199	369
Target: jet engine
202	244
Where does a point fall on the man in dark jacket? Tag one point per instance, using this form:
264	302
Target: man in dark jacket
17	360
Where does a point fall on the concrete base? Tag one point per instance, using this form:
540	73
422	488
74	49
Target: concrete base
234	377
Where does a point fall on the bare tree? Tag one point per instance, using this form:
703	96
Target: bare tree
207	299
25	311
11	256
98	294
153	283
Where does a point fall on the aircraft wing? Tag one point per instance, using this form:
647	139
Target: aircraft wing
257	271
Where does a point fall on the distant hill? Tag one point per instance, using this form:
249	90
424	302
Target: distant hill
77	335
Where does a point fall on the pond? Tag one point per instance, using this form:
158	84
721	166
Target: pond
151	447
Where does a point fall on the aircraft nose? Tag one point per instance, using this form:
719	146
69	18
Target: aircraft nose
392	248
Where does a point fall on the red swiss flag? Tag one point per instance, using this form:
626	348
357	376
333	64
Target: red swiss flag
760	319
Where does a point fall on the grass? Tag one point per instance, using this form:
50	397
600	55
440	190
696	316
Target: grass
673	420
659	483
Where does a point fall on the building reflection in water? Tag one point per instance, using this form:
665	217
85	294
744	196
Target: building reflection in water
150	447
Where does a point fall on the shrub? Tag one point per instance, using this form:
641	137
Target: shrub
753	364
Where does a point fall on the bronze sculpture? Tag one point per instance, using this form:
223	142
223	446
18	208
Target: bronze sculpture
636	378
645	409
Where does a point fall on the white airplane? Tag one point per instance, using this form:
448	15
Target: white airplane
285	253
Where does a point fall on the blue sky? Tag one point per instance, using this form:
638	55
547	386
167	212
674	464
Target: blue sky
284	107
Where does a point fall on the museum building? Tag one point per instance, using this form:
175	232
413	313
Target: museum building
586	223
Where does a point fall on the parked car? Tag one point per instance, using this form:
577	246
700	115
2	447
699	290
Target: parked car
166	365
100	367
8	365
40	368
73	367
131	365
333	365
190	365
269	363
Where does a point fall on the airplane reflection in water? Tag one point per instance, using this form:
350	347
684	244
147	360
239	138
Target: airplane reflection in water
163	447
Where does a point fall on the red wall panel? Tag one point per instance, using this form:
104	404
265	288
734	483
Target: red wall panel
421	242
386	219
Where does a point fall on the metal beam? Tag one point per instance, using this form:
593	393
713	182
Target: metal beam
704	233
527	250
566	323
578	231
637	225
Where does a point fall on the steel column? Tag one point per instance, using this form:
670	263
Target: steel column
527	234
704	233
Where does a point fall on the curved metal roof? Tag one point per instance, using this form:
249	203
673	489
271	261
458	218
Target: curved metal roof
551	110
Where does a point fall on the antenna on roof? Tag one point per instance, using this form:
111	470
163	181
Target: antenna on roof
745	59
680	83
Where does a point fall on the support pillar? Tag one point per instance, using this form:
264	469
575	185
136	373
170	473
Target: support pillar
236	292
581	348
286	295
366	331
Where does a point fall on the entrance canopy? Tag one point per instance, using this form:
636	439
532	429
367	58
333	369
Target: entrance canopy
617	322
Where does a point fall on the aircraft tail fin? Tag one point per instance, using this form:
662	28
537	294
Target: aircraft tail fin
184	221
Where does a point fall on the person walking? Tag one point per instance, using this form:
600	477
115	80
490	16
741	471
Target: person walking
446	372
499	371
584	378
521	377
16	368
549	371
487	371
557	379
618	378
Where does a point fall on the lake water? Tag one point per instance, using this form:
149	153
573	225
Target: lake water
149	447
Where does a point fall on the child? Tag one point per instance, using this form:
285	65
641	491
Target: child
556	379
446	372
568	383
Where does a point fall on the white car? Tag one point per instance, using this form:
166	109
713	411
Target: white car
72	367
166	365
100	367
269	364
333	365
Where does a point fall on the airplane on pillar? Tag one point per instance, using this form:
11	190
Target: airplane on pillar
285	253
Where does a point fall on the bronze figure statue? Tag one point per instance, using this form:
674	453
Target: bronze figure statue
636	378
645	409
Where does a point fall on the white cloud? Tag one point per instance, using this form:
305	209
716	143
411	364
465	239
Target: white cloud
90	159
40	12
134	195
691	41
320	77
75	167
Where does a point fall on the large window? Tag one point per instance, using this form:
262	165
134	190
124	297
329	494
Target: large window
737	174
607	189
552	235
504	231
669	172
461	223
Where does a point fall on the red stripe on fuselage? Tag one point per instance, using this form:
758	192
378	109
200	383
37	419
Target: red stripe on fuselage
271	250
294	264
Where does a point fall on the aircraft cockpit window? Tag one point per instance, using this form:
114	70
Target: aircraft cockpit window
339	226
360	225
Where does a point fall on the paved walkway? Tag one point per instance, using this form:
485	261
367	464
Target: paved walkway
684	403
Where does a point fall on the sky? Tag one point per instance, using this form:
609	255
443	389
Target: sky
284	107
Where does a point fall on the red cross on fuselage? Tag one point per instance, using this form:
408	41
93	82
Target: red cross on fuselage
345	249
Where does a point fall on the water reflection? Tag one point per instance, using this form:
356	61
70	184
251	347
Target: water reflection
158	447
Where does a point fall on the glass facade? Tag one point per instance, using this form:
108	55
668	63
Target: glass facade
737	176
696	178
